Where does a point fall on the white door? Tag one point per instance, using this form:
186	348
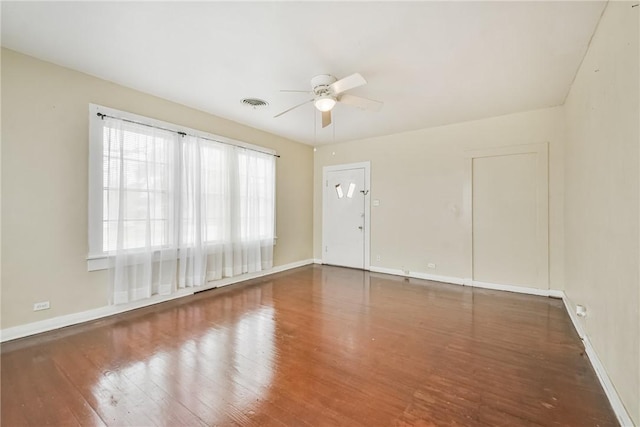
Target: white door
509	220
344	216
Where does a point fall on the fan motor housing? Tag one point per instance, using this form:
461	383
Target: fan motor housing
321	84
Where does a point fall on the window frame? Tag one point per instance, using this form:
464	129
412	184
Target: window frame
96	258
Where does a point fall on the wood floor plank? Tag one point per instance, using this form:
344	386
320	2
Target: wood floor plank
314	346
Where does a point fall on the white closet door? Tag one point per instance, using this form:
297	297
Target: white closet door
505	220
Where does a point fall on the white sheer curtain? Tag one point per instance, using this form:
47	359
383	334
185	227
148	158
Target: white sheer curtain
180	211
139	209
228	205
253	213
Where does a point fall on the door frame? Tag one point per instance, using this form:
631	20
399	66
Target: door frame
541	150
367	206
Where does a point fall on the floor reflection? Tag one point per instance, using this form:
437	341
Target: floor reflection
211	366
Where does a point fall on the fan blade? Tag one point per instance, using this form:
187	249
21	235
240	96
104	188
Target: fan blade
326	118
350	82
359	102
297	91
293	108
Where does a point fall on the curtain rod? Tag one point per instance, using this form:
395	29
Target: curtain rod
102	116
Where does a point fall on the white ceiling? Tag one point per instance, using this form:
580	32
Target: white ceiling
432	63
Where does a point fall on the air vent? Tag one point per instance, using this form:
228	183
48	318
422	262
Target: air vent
254	103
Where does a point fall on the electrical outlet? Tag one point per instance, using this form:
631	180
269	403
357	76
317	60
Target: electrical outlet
378	258
431	265
44	305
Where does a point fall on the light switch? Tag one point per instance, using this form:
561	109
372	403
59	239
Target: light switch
376	202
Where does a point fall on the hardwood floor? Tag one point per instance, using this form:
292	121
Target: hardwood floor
314	346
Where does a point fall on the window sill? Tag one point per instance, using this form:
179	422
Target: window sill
97	262
101	261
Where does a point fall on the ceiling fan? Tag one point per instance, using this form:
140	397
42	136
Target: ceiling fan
327	91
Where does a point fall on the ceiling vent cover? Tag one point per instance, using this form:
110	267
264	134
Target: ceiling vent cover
254	103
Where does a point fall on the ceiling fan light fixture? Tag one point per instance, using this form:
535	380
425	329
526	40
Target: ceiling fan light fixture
325	103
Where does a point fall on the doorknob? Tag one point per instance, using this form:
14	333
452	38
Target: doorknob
360	227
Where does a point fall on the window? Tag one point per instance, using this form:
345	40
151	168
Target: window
155	187
137	168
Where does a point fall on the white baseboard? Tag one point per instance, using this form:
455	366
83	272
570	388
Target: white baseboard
614	398
58	322
437	278
33	328
571	311
468	282
515	288
417	275
554	293
248	276
317	261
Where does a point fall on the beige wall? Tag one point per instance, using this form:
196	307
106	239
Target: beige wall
602	197
419	178
44	183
